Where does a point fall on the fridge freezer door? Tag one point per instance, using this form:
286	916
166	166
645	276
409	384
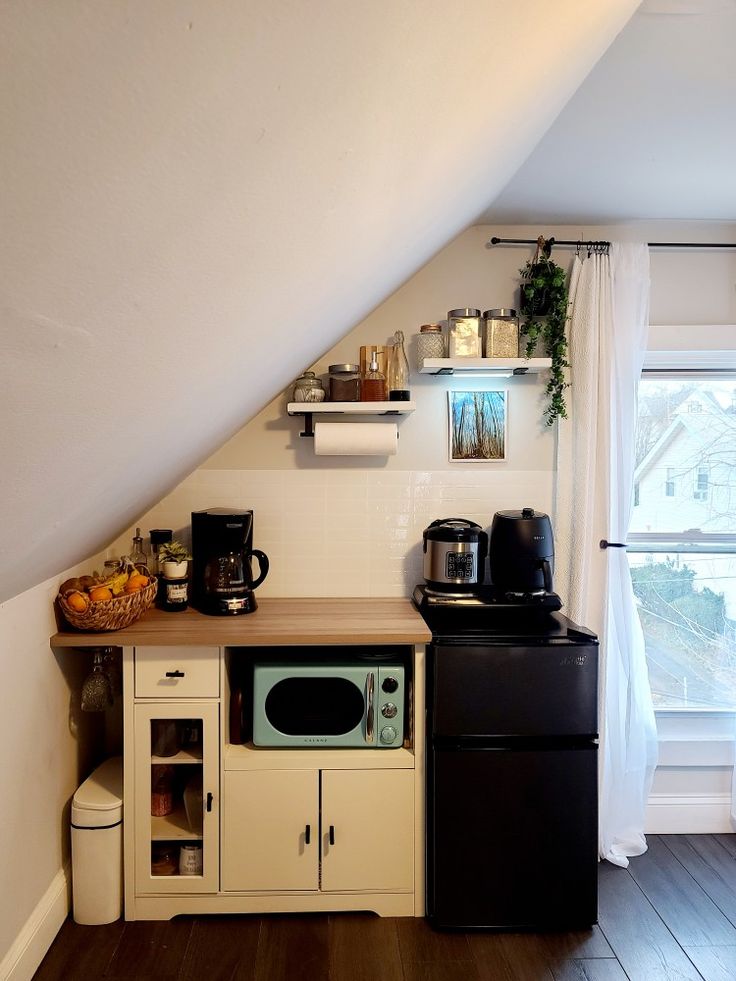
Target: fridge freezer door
513	838
488	691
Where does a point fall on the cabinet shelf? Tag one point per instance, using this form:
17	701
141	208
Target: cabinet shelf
491	367
193	755
250	757
173	827
351	408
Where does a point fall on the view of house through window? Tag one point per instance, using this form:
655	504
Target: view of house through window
682	546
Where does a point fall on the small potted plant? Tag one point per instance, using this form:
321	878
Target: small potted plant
172	559
544	316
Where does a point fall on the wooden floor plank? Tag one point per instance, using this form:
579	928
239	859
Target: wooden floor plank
727	841
598	969
80	953
150	949
714	963
693	918
577	944
293	946
221	948
510	956
363	947
712	867
644	946
434	955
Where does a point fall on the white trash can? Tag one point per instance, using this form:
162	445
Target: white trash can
97	845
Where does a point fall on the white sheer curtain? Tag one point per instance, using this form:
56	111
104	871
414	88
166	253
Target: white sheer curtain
609	314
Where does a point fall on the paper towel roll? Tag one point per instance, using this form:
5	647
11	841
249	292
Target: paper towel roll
355	438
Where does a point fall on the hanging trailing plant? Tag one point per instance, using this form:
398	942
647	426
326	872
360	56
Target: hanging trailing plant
543	309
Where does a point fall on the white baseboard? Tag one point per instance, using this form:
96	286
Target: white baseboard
668	814
30	946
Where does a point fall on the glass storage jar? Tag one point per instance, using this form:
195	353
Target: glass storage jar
308	388
344	382
464	332
430	343
501	333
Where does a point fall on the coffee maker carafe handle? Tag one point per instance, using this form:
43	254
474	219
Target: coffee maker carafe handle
262	565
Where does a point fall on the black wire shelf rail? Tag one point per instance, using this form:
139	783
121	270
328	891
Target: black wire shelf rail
600	245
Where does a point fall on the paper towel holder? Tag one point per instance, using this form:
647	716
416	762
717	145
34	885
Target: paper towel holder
308	410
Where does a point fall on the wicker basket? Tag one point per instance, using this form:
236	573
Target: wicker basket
112	614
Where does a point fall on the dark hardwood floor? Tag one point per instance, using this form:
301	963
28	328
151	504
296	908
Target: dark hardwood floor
671	915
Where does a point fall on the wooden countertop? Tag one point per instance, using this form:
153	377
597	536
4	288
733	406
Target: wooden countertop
361	620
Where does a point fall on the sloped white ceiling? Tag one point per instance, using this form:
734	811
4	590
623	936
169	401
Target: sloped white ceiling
199	199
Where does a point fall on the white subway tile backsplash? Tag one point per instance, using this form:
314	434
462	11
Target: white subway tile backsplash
347	532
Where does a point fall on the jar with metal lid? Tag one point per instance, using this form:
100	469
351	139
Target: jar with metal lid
308	388
430	343
344	382
501	338
464	332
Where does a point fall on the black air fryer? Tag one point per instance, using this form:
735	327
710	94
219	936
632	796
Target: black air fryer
522	552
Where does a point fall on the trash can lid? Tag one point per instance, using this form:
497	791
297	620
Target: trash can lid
103	789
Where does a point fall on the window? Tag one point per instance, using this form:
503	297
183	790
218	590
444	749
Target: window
701	484
682	548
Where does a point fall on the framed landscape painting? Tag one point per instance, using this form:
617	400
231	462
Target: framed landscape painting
477	424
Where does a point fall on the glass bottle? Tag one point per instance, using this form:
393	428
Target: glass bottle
373	388
137	556
158	537
398	371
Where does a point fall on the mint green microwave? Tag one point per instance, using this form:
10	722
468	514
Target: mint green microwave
322	704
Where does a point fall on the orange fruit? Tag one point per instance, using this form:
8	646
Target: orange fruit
77	601
133	585
137	581
100	594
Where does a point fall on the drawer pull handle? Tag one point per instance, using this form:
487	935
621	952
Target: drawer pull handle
174	674
210	798
307	834
332	834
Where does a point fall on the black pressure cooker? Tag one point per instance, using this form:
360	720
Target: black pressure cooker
455	552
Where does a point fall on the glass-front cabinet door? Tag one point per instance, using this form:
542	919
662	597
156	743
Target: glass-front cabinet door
176	798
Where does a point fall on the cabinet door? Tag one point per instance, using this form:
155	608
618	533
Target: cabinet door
367	830
271	830
176	771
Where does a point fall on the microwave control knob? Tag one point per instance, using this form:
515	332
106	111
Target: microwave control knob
389	684
389	710
388	734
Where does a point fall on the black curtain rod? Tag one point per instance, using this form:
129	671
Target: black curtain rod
581	244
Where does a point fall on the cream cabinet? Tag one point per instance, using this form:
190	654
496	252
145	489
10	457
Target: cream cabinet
332	830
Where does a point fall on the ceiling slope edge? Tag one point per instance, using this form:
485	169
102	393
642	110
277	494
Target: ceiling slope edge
200	199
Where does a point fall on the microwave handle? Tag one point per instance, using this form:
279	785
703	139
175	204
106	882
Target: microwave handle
369	683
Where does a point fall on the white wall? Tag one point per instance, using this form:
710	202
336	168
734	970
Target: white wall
47	746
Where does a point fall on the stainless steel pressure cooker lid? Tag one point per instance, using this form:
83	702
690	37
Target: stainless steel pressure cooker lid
453	530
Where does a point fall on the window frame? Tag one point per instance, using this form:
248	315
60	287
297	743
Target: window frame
713	364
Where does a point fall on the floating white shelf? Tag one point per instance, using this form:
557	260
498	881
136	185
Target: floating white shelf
355	408
491	367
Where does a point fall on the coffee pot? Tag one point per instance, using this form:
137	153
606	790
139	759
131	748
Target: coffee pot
522	552
222	550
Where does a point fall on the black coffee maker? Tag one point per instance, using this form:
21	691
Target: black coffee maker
222	549
522	553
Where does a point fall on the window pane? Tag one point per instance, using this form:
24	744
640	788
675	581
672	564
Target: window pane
687	606
686	480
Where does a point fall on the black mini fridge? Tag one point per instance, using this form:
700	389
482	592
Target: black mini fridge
512	792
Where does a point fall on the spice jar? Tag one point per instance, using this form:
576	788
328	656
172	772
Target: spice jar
308	388
464	331
344	382
430	343
501	333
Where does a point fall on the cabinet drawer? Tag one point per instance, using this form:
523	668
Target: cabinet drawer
177	672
